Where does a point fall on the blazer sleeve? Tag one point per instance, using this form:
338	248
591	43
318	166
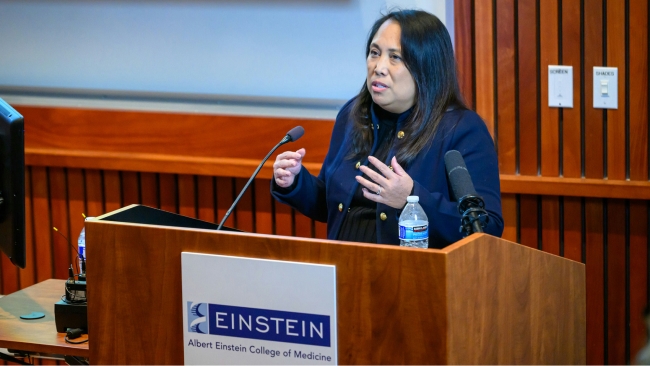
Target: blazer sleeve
309	194
473	140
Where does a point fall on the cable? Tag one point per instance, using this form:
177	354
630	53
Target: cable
73	298
75	249
73	302
71	342
75	295
74	333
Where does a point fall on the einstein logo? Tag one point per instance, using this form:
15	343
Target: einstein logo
254	323
196	317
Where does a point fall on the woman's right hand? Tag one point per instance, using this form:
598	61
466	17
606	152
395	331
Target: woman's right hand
287	166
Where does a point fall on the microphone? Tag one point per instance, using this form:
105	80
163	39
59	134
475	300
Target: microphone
470	204
294	134
291	136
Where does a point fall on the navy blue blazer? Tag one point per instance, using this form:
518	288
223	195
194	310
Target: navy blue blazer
326	198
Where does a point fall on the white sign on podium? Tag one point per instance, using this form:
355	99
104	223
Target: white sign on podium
254	311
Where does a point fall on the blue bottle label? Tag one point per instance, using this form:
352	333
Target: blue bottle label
413	232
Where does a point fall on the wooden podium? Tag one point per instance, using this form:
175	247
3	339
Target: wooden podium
482	300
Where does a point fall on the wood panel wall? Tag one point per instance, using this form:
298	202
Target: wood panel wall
57	197
574	181
504	48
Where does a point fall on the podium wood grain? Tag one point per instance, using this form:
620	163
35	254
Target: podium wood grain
394	305
512	304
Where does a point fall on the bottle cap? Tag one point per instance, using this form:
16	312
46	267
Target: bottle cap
412	199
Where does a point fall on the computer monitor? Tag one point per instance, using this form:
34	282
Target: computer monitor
12	184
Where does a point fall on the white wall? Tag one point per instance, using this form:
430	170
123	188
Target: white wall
248	48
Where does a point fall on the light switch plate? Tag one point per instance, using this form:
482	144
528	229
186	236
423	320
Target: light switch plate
606	87
560	86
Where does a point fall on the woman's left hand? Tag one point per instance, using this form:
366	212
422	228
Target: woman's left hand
392	188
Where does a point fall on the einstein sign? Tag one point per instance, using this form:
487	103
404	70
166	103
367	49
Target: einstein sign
252	311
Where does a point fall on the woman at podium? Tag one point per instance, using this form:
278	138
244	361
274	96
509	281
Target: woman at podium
389	142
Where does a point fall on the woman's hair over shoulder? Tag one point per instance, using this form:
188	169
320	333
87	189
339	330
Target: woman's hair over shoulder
428	54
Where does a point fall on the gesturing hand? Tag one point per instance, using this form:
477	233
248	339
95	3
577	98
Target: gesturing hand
395	185
287	165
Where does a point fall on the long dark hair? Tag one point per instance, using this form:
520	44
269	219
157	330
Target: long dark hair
429	56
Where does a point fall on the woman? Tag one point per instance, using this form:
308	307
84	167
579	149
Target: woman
389	142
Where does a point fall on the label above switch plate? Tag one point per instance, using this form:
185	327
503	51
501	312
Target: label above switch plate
606	87
560	86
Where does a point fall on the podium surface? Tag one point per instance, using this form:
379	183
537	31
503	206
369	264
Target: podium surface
482	300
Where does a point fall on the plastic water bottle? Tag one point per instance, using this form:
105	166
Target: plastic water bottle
82	248
413	225
81	243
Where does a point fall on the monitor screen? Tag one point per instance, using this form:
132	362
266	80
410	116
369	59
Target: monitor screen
12	184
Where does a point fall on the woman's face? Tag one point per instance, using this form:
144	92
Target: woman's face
389	81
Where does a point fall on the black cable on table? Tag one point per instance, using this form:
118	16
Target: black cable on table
72	342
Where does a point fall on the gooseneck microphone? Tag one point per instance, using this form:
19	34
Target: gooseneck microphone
291	136
470	204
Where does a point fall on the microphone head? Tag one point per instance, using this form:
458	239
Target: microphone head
459	178
453	159
296	133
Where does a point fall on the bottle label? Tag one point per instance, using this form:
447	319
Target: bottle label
413	232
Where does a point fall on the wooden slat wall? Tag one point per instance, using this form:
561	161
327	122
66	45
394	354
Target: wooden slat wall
574	181
53	203
609	234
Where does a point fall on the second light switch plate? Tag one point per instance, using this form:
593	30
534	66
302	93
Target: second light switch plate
606	87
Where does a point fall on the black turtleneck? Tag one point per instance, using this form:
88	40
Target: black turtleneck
360	223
